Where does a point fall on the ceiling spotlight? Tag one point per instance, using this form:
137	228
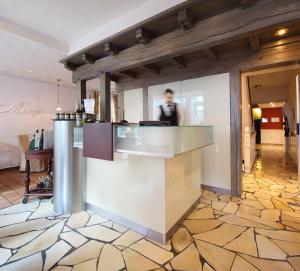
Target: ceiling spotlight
281	32
30	71
272	104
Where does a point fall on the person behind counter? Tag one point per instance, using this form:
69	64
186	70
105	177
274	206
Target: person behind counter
169	111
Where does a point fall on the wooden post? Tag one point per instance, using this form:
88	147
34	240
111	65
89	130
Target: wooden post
235	132
81	90
105	97
145	103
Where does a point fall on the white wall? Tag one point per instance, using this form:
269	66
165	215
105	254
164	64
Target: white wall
272	136
26	105
133	105
205	101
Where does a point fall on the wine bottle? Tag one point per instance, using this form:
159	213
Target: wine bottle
41	141
32	143
78	107
82	107
37	140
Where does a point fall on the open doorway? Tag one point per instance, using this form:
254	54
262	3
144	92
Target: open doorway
269	136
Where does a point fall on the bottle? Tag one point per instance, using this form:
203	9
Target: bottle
82	107
78	107
37	140
32	143
41	142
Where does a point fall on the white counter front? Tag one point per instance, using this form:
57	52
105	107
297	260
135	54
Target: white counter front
154	180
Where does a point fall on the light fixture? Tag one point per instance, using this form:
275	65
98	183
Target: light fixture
272	104
58	108
31	71
281	32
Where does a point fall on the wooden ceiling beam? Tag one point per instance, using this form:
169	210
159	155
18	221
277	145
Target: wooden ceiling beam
204	34
88	59
247	3
70	66
211	54
115	78
143	36
111	49
254	42
177	61
153	68
130	74
184	19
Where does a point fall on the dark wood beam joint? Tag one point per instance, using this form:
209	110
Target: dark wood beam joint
177	61
254	42
88	59
114	78
211	54
247	3
143	36
184	19
153	68
130	74
111	49
70	66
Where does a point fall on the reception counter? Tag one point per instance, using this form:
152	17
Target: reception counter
153	178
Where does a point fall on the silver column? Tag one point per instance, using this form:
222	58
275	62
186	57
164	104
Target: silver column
69	170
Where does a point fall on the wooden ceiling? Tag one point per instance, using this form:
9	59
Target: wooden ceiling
183	17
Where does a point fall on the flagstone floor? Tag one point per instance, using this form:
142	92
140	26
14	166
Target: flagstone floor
260	231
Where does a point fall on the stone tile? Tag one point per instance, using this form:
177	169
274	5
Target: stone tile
107	224
240	264
167	246
152	251
88	251
224	198
168	267
235	220
31	263
293	225
220	259
181	239
271	214
62	268
4	255
209	195
291	218
78	220
119	228
99	233
207	267
6	220
218	205
20	207
136	262
250	196
231	207
187	260
281	205
55	253
272	224
295	262
110	259
96	219
249	210
45	209
204	213
203	225
222	235
73	238
266	203
27	226
280	235
42	242
90	265
267	249
290	248
245	243
66	229
253	203
128	238
16	241
264	264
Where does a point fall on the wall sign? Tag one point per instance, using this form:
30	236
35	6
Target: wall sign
19	108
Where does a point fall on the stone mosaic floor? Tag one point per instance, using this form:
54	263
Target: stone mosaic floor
258	232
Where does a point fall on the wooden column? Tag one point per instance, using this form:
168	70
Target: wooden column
81	90
145	103
235	132
105	97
